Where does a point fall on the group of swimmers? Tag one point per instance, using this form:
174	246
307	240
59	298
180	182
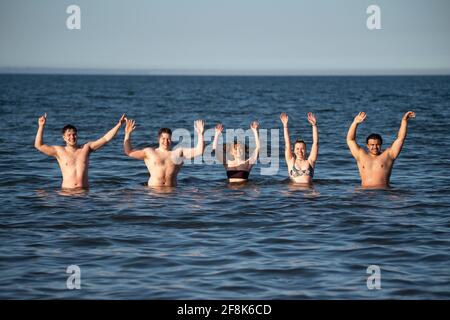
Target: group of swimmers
163	163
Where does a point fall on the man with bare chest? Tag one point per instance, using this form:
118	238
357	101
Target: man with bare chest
73	159
375	166
163	163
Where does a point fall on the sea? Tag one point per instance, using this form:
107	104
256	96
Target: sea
207	238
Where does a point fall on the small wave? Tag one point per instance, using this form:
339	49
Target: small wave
134	218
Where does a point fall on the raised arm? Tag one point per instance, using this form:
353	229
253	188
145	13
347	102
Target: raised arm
287	142
127	148
315	133
97	144
254	126
218	151
355	149
39	140
396	147
190	153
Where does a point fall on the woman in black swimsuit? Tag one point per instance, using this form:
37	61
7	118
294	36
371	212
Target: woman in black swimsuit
301	169
232	156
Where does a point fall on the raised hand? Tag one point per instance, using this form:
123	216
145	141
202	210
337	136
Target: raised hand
122	119
360	117
284	119
42	120
254	125
219	128
312	119
409	115
130	126
199	126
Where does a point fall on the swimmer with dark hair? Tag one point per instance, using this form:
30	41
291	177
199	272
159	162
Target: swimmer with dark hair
73	159
375	166
163	163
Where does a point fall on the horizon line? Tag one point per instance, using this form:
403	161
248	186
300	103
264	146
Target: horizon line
219	72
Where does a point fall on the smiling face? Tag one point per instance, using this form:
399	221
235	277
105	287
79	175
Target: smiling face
165	141
374	146
300	150
70	137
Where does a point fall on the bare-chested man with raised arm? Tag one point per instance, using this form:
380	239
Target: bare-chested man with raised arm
73	159
163	163
375	166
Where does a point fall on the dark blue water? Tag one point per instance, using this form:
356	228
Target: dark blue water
267	239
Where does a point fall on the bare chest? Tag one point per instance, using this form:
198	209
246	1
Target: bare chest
164	160
76	158
380	163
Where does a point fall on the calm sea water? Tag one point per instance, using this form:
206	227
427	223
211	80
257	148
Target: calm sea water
205	239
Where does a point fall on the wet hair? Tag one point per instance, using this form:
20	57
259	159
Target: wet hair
374	136
164	130
299	141
68	127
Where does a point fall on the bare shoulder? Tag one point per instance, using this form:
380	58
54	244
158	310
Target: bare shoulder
361	152
86	147
291	161
363	156
59	150
386	153
177	152
149	152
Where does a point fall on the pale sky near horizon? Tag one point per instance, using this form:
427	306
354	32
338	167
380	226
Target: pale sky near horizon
241	36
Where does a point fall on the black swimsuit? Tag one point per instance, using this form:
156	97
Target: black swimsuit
237	174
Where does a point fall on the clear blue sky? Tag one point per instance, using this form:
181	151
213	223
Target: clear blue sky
228	36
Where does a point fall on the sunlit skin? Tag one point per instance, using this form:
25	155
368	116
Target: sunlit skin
165	142
374	147
374	165
72	158
298	156
300	151
237	152
70	138
163	163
